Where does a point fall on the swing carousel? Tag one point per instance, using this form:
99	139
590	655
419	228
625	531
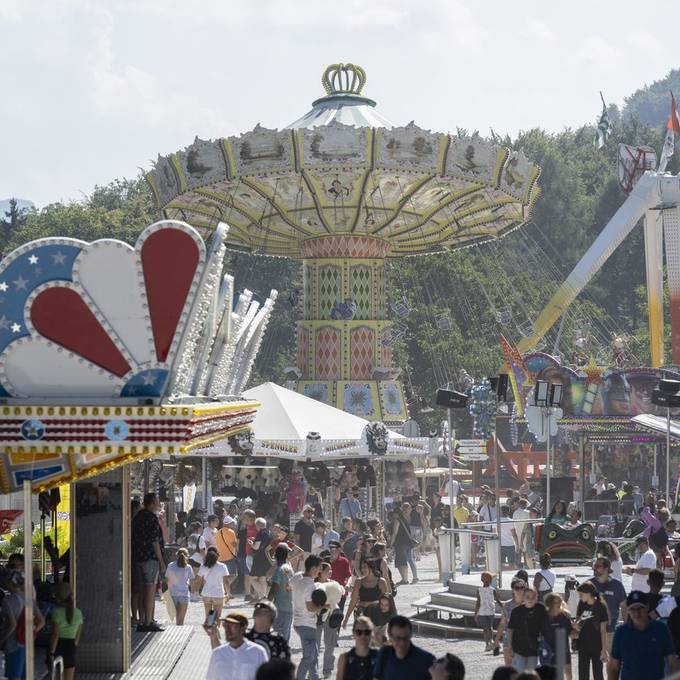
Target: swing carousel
343	189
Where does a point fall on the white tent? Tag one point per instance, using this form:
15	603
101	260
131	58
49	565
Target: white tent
291	425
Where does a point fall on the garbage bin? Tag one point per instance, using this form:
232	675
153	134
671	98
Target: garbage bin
491	549
445	539
465	541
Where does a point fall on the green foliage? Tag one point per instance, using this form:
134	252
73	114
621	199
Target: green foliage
651	104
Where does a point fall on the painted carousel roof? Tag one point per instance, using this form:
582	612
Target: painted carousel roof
344	170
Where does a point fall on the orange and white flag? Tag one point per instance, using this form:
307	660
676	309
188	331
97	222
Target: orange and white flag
672	129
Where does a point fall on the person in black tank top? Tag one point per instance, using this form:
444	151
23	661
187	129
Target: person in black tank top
358	662
367	591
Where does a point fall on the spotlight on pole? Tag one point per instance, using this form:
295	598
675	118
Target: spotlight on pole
541	393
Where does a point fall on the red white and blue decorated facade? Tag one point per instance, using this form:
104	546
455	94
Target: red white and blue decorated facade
109	352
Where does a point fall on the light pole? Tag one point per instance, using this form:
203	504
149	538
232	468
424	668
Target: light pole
499	384
548	397
451	399
667	394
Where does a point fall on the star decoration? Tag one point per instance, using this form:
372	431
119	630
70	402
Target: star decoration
4	323
149	379
3	286
33	259
16	328
59	258
20	283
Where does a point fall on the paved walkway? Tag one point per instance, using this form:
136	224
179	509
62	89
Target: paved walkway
194	660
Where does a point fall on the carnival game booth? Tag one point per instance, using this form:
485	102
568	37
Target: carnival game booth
314	444
110	354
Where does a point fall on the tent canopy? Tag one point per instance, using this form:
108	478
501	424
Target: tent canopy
287	415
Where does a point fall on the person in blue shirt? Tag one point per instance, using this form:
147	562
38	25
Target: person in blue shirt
350	506
612	591
641	645
402	660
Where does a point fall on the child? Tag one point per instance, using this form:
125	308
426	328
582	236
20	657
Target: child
485	608
67	623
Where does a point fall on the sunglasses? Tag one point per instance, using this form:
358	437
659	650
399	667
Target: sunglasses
362	631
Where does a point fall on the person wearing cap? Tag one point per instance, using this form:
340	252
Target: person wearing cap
280	592
238	658
641	646
264	615
227	548
646	562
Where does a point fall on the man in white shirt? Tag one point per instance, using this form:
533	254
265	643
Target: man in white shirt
334	593
210	532
239	658
304	616
646	562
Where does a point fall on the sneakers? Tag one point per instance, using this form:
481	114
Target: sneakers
402	583
415	580
150	628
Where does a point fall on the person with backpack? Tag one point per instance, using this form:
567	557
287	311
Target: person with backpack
13	636
67	625
544	579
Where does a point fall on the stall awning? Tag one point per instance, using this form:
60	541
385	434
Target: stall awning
657	425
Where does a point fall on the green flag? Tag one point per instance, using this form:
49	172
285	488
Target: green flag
604	126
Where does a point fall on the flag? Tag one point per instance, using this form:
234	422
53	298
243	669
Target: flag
604	126
672	128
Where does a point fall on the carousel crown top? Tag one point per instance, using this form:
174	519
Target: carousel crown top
343	176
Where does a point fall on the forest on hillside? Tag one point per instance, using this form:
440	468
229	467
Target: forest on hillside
496	288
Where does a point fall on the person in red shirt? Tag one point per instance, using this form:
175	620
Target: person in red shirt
341	570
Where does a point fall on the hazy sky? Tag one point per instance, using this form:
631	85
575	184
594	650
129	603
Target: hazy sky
95	89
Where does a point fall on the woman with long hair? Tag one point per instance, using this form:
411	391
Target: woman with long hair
592	618
558	514
402	542
366	591
559	618
609	550
213	582
380	615
67	624
280	593
179	575
358	662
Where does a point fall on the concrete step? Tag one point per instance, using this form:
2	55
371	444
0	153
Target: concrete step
470	589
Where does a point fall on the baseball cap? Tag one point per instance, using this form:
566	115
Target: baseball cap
236	617
228	520
333	544
637	598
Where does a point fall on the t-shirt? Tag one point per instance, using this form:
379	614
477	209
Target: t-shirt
12	607
178	579
647	561
561	621
507	539
520	513
67	631
330	535
146	531
547	580
590	616
642	653
273	642
283	597
302	587
414	666
613	593
305	532
251	533
195	544
461	514
209	536
487	605
526	625
341	570
617	570
349	508
317	543
236	664
226	544
214	583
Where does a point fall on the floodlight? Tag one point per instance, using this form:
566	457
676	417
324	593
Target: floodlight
541	393
556	390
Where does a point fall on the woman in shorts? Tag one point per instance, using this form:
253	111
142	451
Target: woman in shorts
179	575
213	582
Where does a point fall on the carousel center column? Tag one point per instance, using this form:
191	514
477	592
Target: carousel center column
344	341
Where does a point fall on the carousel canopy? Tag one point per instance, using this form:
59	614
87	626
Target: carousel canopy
287	415
657	425
344	170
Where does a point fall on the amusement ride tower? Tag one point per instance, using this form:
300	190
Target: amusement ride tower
343	189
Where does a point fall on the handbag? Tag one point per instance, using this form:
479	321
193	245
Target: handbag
546	656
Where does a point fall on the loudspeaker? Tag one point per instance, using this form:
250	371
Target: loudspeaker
451	399
667	399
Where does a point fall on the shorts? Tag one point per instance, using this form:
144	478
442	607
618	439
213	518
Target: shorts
243	566
15	662
180	599
508	551
213	602
232	566
485	621
66	649
147	571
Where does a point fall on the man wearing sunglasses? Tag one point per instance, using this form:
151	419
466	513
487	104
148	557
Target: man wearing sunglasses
262	633
403	660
